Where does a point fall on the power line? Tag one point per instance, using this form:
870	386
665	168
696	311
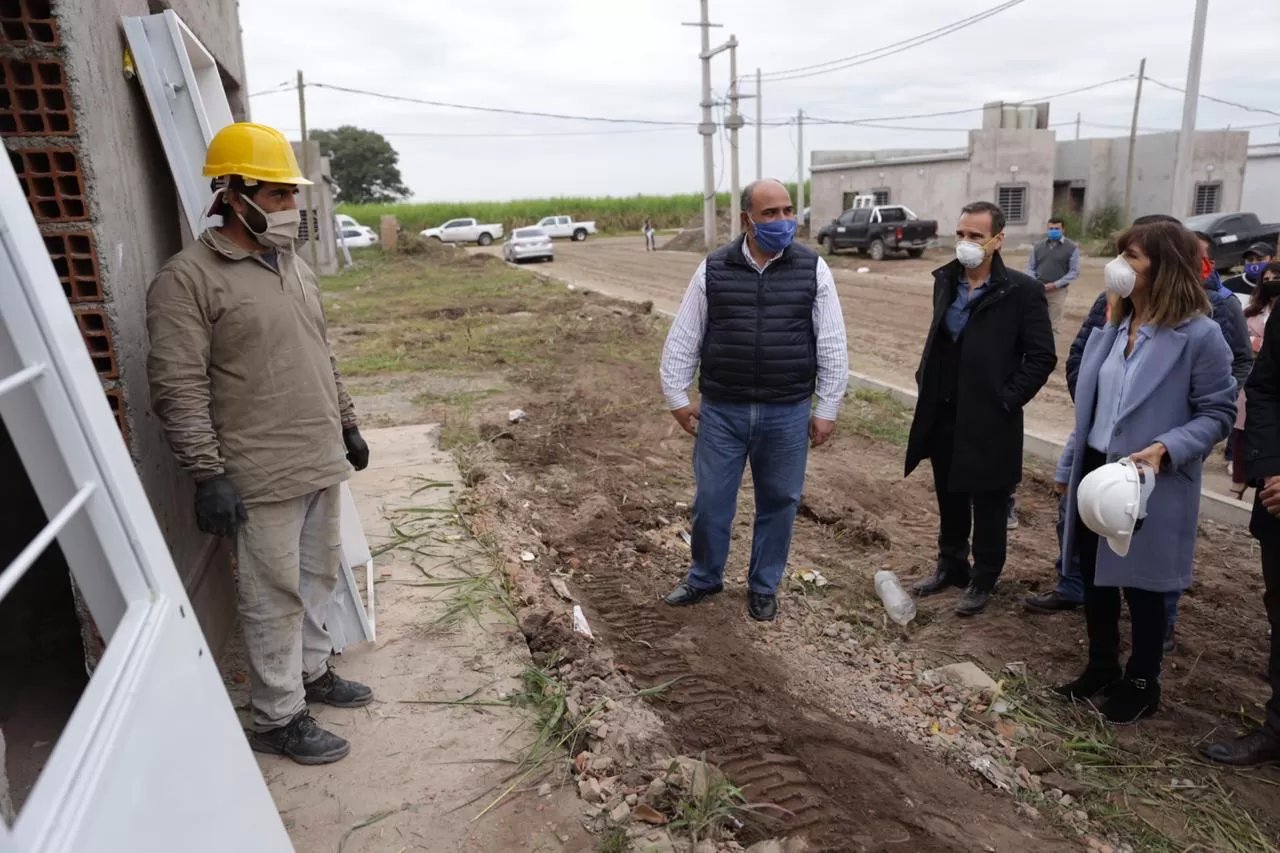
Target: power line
518	134
286	86
887	50
500	110
1203	96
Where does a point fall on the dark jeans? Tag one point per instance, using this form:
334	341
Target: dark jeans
774	438
1070	584
985	514
1271	598
1147	610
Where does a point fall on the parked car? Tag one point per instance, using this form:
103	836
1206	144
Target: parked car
564	226
354	238
878	230
465	231
345	223
528	244
1233	234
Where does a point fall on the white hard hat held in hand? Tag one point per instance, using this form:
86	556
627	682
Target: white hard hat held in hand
1112	500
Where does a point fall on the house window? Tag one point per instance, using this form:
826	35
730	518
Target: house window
1208	199
847	200
882	196
1012	199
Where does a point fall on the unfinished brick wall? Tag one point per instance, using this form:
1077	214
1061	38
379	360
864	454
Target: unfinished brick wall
39	132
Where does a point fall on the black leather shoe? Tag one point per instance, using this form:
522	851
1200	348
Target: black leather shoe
302	740
1131	700
1050	602
332	689
762	608
940	582
1259	746
685	595
974	600
1095	680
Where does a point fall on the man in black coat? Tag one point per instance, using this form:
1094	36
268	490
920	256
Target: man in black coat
989	351
1262	469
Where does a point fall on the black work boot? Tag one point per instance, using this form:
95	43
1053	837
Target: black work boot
1131	700
1260	746
1050	602
302	740
685	595
333	689
941	581
761	607
975	600
1094	680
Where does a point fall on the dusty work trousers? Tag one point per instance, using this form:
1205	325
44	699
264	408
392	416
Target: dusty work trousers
289	556
1057	306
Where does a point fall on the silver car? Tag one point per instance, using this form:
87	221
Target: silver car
528	244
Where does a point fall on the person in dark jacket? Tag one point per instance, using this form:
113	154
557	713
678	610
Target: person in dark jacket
1256	258
1262	469
988	352
1228	313
761	325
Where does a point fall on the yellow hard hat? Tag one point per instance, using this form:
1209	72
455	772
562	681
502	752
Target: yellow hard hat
253	151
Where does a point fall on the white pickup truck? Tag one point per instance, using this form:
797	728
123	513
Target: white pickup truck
465	231
564	226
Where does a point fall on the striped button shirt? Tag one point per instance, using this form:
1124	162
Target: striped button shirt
683	349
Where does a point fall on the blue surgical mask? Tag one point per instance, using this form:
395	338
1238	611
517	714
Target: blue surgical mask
1254	269
774	236
1055	233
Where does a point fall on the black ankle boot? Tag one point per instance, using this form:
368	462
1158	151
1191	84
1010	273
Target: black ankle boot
302	740
1131	700
333	689
1095	679
1260	746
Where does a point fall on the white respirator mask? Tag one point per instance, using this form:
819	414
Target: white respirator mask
1119	277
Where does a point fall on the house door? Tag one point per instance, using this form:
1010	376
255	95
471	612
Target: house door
152	759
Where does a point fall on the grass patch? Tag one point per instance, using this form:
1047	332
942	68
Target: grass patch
876	414
614	841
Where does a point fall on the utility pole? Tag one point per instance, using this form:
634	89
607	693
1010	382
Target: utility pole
1182	172
1133	142
759	130
800	166
1077	126
313	218
734	123
707	129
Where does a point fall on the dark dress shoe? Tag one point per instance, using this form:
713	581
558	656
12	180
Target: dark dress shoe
685	595
1131	700
1095	680
974	601
762	608
1050	602
1259	746
940	582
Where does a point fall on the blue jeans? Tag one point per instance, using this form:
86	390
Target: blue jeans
1071	584
774	438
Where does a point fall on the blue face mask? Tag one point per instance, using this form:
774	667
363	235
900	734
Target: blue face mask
1055	233
1254	269
774	236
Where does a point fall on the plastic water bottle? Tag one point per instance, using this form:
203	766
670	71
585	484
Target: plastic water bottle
897	603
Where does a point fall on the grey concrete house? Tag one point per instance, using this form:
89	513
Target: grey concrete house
78	131
1016	161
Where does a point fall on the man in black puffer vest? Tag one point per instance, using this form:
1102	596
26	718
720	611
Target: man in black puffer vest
762	319
988	352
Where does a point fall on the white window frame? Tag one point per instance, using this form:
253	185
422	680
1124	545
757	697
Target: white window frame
184	90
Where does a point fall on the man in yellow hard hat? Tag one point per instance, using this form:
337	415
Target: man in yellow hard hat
247	388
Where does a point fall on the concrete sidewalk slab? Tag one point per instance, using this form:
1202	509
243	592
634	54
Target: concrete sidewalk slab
419	774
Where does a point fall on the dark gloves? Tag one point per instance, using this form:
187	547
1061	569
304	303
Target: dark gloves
357	450
218	507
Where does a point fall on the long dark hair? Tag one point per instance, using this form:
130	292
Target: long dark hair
1258	301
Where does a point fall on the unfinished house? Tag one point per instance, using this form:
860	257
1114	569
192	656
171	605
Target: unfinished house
78	130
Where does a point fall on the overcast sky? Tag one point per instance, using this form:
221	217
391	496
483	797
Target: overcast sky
632	59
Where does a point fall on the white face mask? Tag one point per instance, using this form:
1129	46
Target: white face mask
1119	277
282	227
970	254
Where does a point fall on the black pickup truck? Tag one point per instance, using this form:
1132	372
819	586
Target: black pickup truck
1233	234
876	231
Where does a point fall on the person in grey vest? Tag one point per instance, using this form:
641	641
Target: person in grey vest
1055	263
762	320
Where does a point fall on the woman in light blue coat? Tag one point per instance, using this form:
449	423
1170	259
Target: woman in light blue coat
1155	385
